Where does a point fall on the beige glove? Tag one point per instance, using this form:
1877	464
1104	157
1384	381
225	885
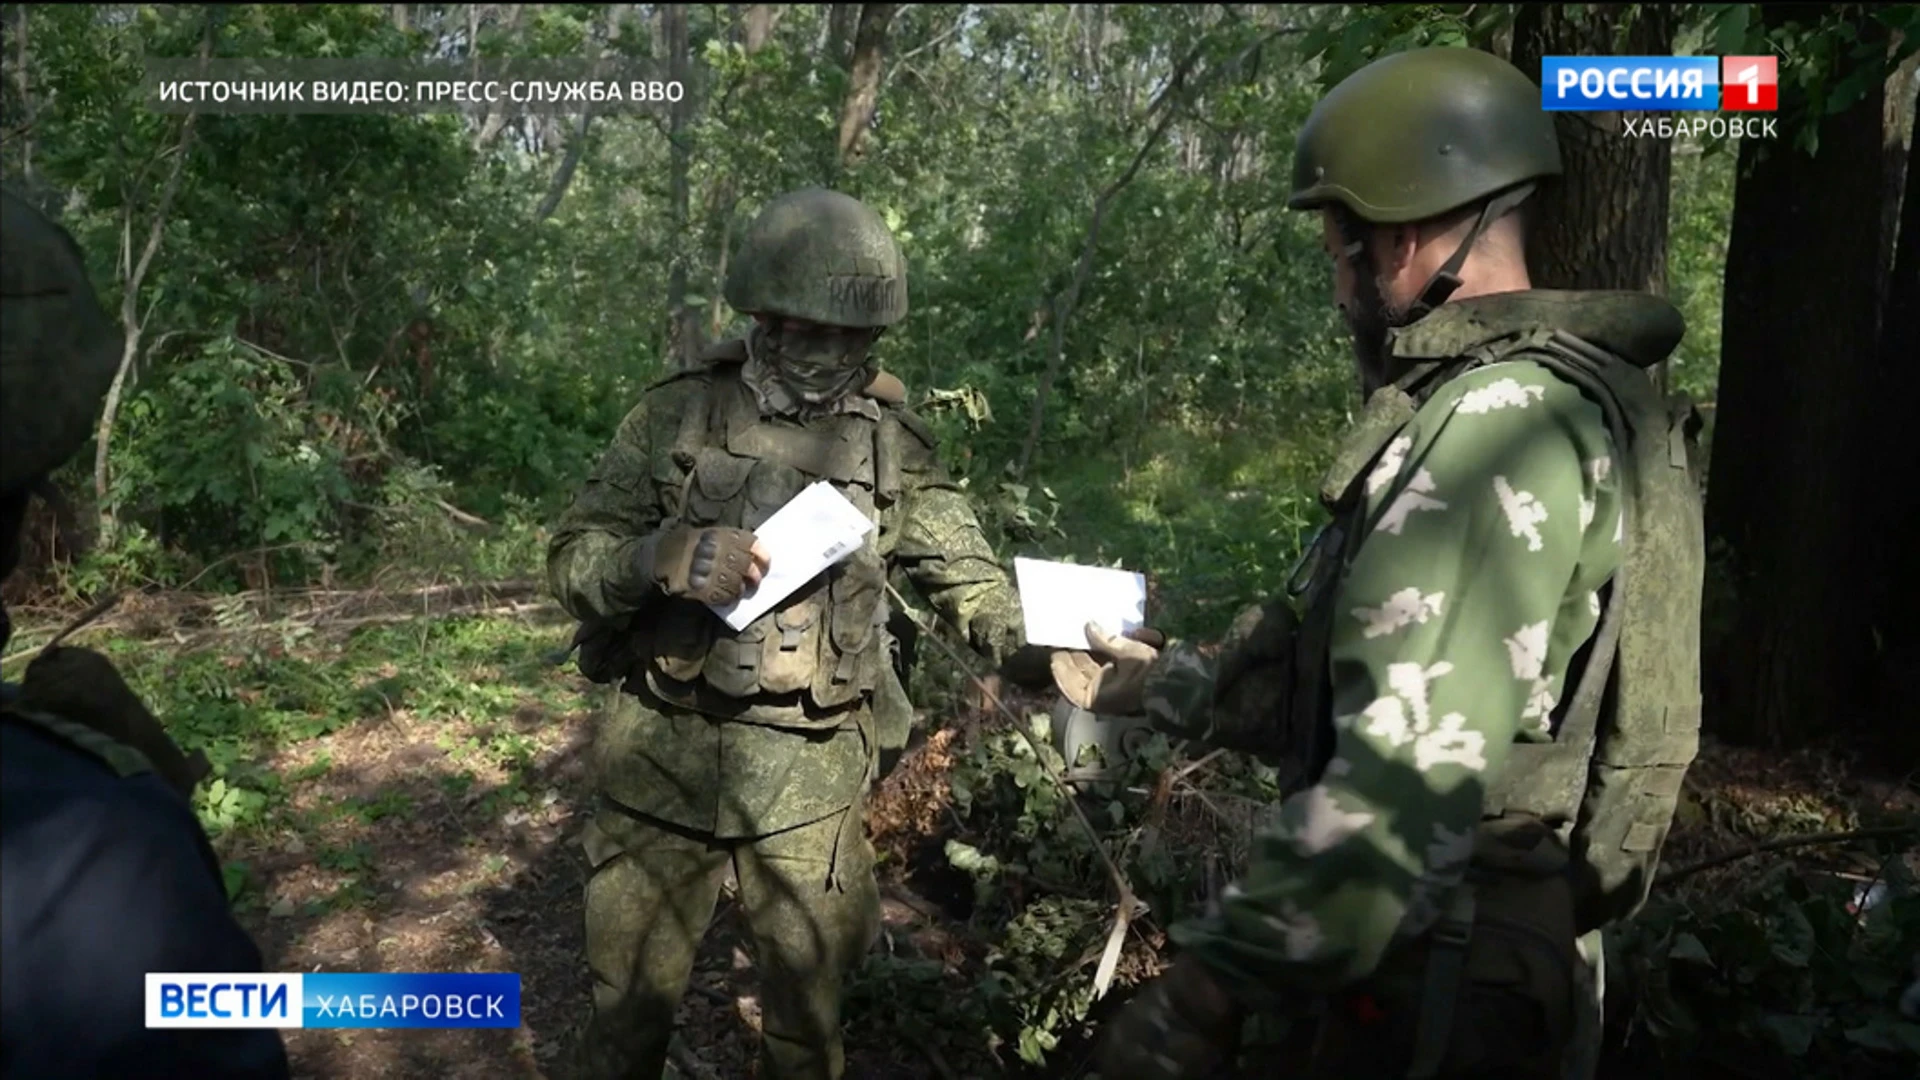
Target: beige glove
1110	678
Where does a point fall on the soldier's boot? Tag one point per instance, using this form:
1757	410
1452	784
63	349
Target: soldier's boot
814	909
648	902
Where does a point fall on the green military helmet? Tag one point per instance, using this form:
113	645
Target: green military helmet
58	349
1417	134
821	256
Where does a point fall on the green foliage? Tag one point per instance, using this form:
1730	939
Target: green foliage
1784	969
1356	34
1041	892
1699	216
1827	64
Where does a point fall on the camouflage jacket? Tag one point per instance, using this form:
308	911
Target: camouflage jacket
713	762
1479	542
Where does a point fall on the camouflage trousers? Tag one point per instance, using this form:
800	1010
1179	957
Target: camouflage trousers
648	902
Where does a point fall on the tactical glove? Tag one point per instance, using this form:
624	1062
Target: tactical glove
711	565
1111	678
1183	1026
83	687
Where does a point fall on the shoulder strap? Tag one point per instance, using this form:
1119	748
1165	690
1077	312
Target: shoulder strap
124	760
1619	781
732	352
1549	779
887	388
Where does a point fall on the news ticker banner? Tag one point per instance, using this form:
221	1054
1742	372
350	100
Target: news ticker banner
362	86
1660	83
333	1000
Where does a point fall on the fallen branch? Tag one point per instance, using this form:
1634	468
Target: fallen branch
100	607
357	621
1127	904
1889	832
462	516
328	609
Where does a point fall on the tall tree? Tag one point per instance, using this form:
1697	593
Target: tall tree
1604	224
863	80
682	332
1789	512
757	26
837	33
1898	571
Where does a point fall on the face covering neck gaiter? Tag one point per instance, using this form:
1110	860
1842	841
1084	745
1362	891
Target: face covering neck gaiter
818	365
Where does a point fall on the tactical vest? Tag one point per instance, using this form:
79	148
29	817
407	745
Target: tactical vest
822	650
1571	829
1611	777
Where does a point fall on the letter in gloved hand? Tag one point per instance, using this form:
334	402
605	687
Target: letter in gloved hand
713	566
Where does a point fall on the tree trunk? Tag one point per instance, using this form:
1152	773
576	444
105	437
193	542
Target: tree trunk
1897	124
682	338
135	271
23	85
757	26
863	81
1898	573
1603	224
401	18
1791	508
494	121
839	39
615	16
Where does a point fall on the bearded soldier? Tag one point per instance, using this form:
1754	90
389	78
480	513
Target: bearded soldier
750	752
1490	684
107	874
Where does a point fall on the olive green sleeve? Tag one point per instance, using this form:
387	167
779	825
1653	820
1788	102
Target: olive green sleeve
593	559
945	553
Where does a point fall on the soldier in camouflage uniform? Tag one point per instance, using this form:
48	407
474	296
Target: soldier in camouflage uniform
1491	683
753	751
105	874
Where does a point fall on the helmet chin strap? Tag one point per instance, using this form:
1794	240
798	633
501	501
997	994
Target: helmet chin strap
1446	279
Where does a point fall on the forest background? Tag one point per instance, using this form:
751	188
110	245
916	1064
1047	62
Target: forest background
369	357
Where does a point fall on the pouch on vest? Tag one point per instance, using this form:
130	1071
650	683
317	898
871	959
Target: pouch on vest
1508	996
859	617
606	650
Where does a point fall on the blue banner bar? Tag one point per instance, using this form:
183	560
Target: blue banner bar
1616	83
438	1000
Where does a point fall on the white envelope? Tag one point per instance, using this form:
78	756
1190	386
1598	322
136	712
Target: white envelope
816	529
1060	599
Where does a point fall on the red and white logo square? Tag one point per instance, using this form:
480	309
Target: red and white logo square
1749	83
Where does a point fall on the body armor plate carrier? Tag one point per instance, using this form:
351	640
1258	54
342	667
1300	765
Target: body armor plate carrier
822	650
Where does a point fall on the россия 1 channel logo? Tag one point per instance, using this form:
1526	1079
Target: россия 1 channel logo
1660	83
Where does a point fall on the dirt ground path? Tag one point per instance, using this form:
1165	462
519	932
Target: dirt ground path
454	883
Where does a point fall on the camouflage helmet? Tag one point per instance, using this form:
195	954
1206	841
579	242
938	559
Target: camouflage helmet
58	349
1417	134
821	256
